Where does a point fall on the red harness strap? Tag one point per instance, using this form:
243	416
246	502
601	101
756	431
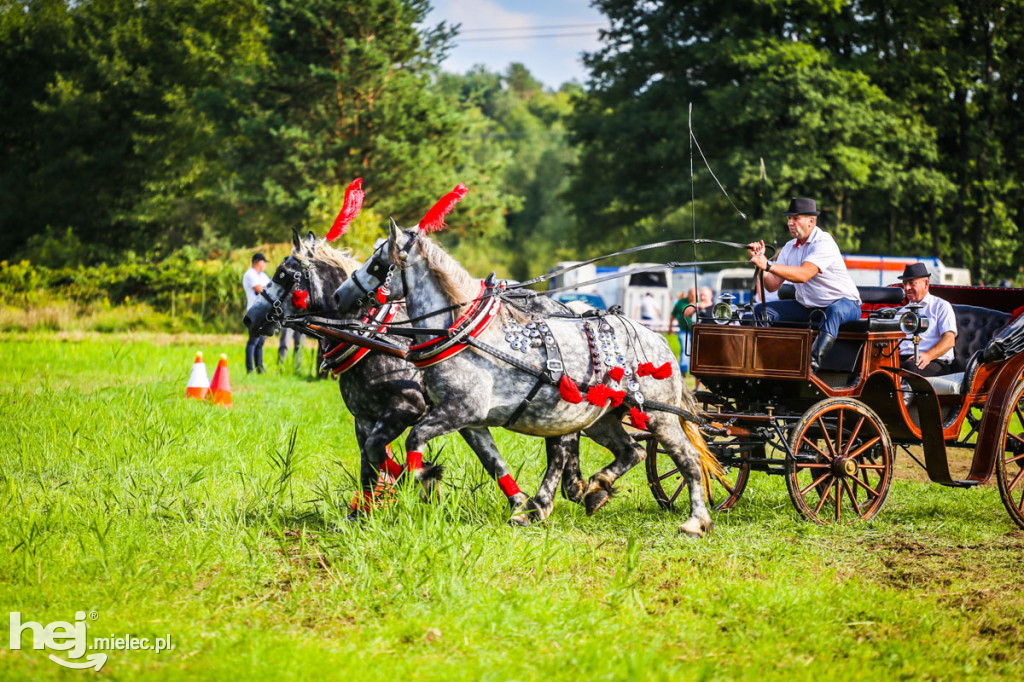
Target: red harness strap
482	324
360	353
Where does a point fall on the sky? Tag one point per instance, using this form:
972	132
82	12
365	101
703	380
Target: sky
547	36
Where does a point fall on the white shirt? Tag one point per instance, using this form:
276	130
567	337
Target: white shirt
250	280
941	319
648	308
832	283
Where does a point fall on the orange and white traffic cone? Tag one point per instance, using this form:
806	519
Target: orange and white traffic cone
198	381
220	387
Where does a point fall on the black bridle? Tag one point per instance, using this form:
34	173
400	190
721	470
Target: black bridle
299	280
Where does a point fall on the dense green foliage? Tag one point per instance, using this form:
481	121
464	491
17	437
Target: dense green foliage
129	129
901	118
168	516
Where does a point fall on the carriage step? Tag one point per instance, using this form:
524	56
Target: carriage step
959	484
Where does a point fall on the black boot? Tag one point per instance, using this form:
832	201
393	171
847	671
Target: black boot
821	348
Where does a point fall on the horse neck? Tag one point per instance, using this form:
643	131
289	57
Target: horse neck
327	277
437	281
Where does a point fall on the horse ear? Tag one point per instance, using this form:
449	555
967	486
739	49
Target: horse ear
295	239
310	239
393	231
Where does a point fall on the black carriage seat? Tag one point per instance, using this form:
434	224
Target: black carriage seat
975	327
847	352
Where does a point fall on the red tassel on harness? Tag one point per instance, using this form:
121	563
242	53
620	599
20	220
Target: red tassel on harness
299	299
569	391
434	220
616	373
638	419
663	372
616	397
598	395
648	369
350	208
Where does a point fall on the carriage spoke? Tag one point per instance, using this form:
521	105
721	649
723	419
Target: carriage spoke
1016	480
839	434
813	465
853	436
672	500
853	498
815	447
877	467
866	487
823	477
839	502
673	472
828	441
821	502
867	445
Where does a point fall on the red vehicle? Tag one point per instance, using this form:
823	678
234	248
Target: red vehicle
833	433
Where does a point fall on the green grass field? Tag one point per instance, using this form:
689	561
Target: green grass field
171	517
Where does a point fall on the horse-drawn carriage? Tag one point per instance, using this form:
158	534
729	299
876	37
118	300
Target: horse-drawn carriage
833	432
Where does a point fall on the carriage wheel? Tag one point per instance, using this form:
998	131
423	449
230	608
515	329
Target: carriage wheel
841	464
667	483
1010	465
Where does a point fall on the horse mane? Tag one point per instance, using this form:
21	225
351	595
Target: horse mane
322	252
456	284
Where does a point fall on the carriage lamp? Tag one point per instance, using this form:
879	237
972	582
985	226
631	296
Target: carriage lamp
724	311
912	324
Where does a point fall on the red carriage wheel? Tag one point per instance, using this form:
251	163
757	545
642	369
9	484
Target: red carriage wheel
667	484
841	464
1010	465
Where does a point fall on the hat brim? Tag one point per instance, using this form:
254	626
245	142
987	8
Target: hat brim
904	278
814	213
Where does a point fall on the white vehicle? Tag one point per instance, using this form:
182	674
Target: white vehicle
881	271
629	290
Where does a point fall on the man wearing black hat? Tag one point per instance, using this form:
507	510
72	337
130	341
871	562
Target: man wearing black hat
813	263
935	350
253	282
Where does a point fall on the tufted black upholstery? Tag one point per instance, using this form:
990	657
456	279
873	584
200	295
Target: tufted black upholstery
974	329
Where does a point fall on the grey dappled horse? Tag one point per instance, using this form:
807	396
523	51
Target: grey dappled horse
385	394
479	389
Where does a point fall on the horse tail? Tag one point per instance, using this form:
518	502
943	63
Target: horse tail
710	467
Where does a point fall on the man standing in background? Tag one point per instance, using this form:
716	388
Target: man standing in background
253	282
682	314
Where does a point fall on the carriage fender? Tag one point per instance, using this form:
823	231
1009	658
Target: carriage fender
996	412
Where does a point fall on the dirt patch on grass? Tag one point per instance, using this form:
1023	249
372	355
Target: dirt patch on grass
908	470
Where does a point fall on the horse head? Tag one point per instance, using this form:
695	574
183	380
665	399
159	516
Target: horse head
300	285
382	277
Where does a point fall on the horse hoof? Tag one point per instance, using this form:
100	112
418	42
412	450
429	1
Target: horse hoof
695	528
595	500
519	521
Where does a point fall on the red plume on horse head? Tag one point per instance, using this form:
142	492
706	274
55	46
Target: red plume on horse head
434	220
350	208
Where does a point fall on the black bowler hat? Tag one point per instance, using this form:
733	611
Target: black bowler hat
914	271
799	206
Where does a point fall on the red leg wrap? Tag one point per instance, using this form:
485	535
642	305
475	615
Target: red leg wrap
413	460
363	501
391	467
508	485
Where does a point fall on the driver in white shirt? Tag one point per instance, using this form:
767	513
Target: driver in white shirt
813	263
935	350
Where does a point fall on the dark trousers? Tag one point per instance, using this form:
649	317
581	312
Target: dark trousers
934	368
254	353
